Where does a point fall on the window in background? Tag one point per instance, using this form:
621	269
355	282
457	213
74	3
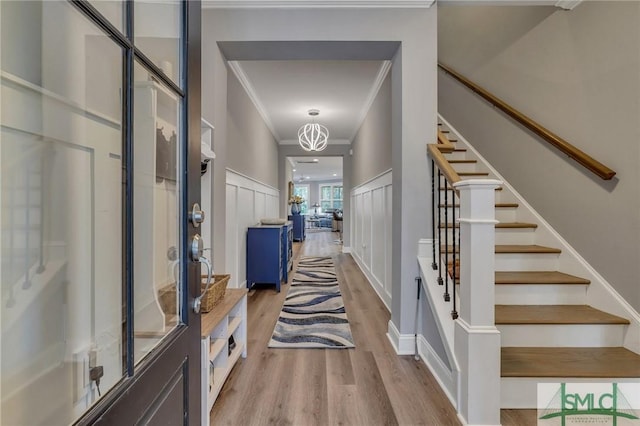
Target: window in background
330	197
303	191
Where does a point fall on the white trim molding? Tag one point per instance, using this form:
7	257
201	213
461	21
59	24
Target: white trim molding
403	344
248	87
370	231
447	378
375	88
247	201
568	4
315	4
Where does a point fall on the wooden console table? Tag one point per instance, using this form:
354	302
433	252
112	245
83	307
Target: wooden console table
227	319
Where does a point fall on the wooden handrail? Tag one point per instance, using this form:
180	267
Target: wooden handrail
578	155
444	145
449	173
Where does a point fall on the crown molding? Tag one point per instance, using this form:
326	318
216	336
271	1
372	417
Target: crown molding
375	88
315	4
331	142
564	4
248	87
568	4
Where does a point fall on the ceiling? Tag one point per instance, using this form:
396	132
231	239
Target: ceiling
326	168
284	91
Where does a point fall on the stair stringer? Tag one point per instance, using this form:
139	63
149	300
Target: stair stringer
446	375
600	293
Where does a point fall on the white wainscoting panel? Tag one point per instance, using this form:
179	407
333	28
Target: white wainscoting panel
371	232
248	201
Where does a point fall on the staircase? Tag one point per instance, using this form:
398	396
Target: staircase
550	332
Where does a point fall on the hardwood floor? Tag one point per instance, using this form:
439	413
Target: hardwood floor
368	385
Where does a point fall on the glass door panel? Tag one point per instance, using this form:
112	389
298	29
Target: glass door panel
113	10
158	28
61	193
156	215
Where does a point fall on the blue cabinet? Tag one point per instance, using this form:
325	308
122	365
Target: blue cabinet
298	227
268	254
287	250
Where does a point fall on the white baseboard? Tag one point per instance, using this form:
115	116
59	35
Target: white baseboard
464	421
446	378
375	285
404	344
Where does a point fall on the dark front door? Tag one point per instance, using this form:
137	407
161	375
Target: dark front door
100	173
163	331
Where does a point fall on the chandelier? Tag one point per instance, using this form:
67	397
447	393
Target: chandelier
313	136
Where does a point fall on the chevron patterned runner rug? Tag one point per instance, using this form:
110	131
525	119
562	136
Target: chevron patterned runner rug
313	314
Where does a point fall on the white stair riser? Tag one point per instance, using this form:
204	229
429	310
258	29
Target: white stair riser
541	294
457	155
502	214
465	167
522	392
526	262
515	236
506	214
503	236
561	335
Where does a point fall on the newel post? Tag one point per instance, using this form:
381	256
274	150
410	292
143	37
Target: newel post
477	340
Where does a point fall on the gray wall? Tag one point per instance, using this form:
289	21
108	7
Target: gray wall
414	107
372	144
578	74
251	148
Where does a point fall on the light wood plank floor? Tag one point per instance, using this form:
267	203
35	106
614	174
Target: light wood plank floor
368	385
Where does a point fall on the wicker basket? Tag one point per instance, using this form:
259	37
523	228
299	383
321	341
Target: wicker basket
215	293
168	301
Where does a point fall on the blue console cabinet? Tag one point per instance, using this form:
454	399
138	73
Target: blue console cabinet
268	254
299	233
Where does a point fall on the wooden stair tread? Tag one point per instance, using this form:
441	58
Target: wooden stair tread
514	248
537	277
554	314
532	248
503	225
462	161
450	188
516	225
473	173
612	362
497	205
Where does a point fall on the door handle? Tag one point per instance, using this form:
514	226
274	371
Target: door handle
197	303
196	216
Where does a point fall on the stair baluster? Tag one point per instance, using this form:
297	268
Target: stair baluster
440	282
434	265
447	296
454	312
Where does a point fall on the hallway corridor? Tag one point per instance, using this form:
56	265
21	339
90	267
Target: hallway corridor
369	385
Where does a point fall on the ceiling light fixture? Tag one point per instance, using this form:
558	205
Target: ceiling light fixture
313	136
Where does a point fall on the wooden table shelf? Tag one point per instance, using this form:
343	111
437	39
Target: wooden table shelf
228	318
